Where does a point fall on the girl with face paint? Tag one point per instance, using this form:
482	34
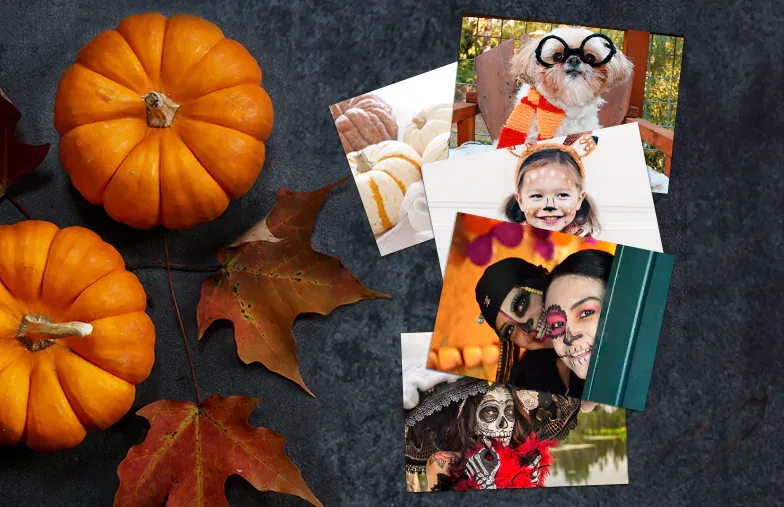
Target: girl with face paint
510	295
495	444
550	193
573	305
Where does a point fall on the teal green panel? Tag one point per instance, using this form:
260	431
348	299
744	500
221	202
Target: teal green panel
628	330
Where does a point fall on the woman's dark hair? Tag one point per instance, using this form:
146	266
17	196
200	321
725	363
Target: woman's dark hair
591	263
586	215
462	435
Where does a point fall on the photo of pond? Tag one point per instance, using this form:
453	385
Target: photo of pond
594	453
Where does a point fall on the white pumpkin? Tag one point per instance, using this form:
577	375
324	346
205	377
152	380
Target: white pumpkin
382	173
437	149
427	124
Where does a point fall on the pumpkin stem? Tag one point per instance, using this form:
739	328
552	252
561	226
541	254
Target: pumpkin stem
47	331
160	110
363	164
419	120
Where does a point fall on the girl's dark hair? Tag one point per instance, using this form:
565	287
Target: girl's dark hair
586	215
462	435
591	263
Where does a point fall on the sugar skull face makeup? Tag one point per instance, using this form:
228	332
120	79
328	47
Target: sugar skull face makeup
495	417
549	197
520	319
573	305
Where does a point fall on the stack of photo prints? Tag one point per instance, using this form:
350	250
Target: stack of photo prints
532	163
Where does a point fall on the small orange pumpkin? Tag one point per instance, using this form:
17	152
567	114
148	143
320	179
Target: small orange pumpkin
74	338
163	121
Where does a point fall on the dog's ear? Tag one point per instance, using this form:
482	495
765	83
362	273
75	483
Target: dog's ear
619	69
523	63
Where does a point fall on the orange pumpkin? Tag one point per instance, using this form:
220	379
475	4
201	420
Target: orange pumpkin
163	121
74	338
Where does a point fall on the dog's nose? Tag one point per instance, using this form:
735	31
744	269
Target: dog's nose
573	61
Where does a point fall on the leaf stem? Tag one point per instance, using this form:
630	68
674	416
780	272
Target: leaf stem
176	267
179	319
16	205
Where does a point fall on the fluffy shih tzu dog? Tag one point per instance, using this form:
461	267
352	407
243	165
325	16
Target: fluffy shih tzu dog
570	68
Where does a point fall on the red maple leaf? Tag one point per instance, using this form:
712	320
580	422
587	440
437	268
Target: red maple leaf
272	275
16	157
191	450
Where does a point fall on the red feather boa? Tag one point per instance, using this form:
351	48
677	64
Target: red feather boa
513	473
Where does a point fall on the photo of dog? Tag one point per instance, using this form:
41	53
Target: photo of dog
521	81
569	68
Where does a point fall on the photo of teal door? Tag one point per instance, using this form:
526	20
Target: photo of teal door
628	331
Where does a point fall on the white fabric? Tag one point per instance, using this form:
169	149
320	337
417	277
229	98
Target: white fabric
418	378
413	225
659	182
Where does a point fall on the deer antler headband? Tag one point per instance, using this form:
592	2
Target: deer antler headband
578	146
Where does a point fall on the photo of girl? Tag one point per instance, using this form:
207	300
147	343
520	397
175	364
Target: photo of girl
544	301
550	183
590	184
468	434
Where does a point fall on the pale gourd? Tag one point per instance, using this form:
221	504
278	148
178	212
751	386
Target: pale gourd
427	124
383	172
437	149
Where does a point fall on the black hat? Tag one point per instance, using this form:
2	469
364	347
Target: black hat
500	278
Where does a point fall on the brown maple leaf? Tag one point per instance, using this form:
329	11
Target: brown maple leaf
16	157
272	275
191	450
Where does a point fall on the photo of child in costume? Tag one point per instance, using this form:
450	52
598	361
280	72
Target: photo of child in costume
590	184
550	188
468	434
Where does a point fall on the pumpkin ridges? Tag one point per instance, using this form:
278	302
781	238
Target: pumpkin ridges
81	100
131	333
15	381
80	258
386	223
51	422
110	55
138	175
225	65
232	158
90	143
23	250
97	397
151	27
236	108
190	196
188	48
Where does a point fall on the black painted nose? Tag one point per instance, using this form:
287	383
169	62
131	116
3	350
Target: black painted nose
573	62
571	338
502	424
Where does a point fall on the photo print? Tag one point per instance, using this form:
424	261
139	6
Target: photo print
521	79
388	135
463	433
592	185
550	312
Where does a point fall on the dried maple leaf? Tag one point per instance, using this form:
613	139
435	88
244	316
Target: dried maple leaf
272	276
191	450
16	157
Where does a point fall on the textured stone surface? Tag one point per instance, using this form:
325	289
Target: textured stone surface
722	220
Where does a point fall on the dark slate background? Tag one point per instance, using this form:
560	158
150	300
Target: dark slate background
710	435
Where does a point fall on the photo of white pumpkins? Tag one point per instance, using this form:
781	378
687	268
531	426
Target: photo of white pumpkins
388	135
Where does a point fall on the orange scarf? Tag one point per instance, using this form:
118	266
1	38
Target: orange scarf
548	119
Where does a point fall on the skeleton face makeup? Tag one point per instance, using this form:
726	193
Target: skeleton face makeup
549	197
520	318
573	305
495	416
